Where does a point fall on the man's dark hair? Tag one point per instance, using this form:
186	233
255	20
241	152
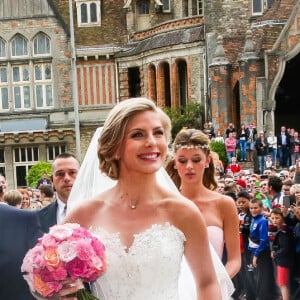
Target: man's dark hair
47	189
275	183
244	194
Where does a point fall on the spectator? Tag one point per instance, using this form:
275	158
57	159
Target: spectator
3	187
295	147
47	193
245	218
265	287
251	133
219	138
282	252
283	143
269	162
261	147
230	145
233	167
43	180
242	136
25	204
208	130
229	129
13	198
272	147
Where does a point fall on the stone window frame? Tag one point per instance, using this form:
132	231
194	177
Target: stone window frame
257	7
3	49
200	7
166	6
92	6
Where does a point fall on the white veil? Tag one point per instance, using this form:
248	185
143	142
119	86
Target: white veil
90	182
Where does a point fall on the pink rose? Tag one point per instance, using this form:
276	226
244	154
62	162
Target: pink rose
67	251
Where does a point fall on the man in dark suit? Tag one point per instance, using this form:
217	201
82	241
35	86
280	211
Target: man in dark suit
43	180
65	168
283	144
19	231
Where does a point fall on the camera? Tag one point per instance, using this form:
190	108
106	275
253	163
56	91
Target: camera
1	189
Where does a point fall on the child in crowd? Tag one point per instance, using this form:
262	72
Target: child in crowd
13	198
245	218
233	167
265	286
282	252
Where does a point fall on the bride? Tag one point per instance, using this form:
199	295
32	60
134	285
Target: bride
145	226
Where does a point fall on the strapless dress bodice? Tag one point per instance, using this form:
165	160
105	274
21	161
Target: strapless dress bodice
216	238
149	269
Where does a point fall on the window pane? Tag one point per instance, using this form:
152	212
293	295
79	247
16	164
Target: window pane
17	97
3	75
144	7
29	154
39	95
16	74
38	72
48	72
26	93
23	154
93	12
4	98
41	44
2	160
257	6
83	13
25	74
49	101
17	155
166	4
19	46
36	154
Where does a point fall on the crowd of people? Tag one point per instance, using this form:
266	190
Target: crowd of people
278	151
214	230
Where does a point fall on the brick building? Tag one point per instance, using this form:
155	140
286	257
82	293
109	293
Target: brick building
235	57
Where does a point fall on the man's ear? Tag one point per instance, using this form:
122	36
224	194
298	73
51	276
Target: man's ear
51	179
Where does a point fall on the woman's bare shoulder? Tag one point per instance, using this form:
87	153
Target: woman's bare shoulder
83	211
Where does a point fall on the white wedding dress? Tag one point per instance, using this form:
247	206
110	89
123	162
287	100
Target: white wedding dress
154	266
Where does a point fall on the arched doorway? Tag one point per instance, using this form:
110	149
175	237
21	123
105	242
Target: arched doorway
287	96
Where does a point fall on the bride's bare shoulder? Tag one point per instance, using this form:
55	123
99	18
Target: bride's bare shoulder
86	209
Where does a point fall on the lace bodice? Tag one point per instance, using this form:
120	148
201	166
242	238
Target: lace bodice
149	269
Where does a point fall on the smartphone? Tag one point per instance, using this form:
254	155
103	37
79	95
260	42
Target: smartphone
286	201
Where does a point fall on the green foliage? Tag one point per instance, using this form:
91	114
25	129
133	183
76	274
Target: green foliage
219	147
189	116
36	171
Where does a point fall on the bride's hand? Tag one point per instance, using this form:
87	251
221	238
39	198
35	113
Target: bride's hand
69	287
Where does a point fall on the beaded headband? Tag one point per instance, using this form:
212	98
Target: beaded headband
180	146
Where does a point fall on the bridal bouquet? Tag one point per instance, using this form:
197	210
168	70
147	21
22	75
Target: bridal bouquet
67	252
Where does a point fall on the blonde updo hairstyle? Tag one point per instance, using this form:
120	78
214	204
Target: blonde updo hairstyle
193	137
114	130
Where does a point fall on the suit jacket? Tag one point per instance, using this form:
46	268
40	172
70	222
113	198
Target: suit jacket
41	181
19	231
48	216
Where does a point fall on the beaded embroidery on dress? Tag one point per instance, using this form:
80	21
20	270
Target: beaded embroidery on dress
149	269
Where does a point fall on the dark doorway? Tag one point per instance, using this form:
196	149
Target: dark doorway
236	106
134	82
182	75
287	97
